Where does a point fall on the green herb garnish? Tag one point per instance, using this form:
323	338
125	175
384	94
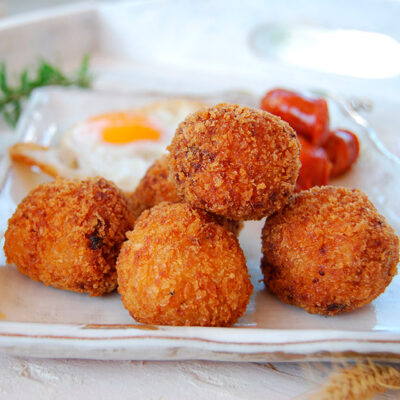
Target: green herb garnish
47	74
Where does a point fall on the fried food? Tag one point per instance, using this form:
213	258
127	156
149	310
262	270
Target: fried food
234	226
156	187
179	267
329	251
68	234
111	145
235	161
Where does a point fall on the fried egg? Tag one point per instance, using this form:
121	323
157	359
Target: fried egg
119	146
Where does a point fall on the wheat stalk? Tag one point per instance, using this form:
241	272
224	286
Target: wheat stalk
359	382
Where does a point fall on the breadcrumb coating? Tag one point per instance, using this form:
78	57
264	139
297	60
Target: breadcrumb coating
156	187
68	234
329	251
235	161
179	267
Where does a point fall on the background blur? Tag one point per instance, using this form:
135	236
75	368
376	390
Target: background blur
349	48
12	7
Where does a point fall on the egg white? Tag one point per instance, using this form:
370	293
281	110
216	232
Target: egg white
124	164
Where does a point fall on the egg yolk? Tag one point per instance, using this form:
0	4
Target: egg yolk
120	128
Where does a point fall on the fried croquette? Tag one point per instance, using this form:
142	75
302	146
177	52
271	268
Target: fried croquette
68	234
234	226
329	251
235	161
156	187
179	267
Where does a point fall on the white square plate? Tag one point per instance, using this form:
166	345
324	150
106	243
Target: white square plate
46	322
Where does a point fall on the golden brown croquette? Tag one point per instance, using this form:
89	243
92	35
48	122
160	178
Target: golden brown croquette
329	251
156	187
235	161
179	267
68	234
234	226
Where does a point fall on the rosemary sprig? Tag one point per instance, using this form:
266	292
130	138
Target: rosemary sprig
46	74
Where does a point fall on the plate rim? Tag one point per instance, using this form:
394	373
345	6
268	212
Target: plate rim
147	342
